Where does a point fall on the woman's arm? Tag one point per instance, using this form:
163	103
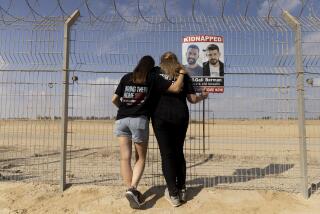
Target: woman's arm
193	98
178	84
116	100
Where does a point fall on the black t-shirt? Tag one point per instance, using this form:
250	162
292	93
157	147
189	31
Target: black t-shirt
173	107
135	98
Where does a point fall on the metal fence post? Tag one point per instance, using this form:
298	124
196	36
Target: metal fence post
65	94
296	27
203	127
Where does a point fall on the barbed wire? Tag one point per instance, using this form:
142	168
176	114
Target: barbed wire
304	3
34	12
64	13
141	15
8	14
91	13
246	10
166	13
119	14
6	11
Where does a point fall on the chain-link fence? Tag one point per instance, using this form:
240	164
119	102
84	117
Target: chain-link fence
245	138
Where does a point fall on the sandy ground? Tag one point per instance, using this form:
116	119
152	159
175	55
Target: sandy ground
237	155
24	198
249	154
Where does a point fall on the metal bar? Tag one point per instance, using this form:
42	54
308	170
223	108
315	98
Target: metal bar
203	128
296	26
65	94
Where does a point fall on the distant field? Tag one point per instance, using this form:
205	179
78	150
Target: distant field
217	127
30	150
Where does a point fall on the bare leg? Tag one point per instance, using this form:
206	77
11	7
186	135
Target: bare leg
136	155
141	152
125	159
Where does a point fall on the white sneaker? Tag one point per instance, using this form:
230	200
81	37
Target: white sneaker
173	200
183	195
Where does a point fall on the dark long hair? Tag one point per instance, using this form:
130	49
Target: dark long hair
145	64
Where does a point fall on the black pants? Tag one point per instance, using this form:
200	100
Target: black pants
170	137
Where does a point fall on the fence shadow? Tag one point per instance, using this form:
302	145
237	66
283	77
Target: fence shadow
315	187
153	194
210	157
16	177
242	175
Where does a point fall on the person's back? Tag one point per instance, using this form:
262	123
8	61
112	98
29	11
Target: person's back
173	107
170	123
136	97
132	97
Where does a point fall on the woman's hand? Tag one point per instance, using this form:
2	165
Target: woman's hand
204	94
183	71
193	98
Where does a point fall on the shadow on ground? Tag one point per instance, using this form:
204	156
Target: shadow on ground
242	175
153	194
315	187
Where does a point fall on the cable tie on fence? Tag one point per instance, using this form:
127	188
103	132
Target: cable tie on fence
50	84
75	79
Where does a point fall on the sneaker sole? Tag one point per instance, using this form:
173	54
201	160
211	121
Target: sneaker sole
131	198
169	200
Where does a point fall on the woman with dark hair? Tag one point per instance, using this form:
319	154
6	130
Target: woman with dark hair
170	121
132	97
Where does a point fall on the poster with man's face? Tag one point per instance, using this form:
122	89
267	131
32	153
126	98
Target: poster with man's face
203	58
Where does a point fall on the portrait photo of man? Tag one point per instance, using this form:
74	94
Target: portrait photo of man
192	55
213	67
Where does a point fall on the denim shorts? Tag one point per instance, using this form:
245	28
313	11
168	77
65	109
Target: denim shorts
136	128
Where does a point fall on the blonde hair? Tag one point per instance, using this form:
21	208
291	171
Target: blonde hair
170	65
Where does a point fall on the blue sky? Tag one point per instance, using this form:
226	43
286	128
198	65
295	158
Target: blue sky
111	48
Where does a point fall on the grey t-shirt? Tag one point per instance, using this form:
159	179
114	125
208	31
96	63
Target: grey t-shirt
197	71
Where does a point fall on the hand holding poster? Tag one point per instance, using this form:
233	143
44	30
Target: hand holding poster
203	57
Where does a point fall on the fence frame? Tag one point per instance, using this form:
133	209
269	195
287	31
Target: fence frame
65	97
290	22
289	19
296	27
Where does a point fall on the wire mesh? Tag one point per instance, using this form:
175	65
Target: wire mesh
311	60
246	138
30	88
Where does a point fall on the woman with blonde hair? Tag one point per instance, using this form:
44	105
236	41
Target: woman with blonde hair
132	97
170	121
